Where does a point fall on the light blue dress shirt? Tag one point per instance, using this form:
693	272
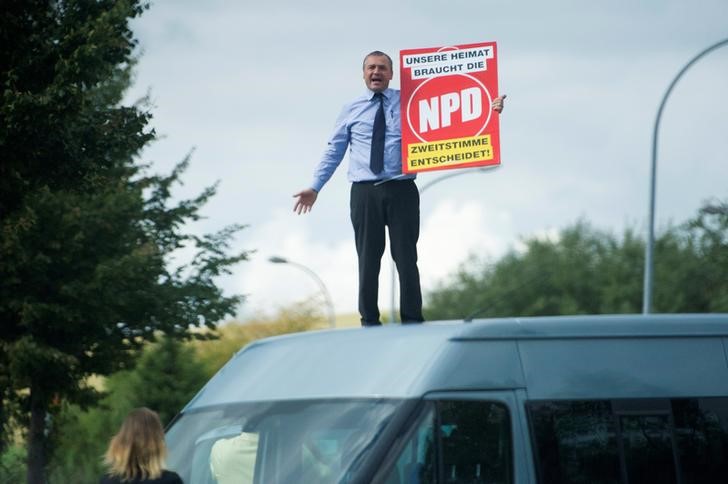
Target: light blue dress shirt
353	130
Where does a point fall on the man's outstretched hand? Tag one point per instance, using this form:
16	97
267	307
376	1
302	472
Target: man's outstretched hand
306	199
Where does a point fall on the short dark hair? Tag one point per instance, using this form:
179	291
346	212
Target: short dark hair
377	53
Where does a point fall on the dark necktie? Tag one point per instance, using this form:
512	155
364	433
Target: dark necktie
376	161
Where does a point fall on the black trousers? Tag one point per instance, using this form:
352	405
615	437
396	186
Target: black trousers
396	205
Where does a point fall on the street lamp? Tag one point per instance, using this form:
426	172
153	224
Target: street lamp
422	189
649	258
329	304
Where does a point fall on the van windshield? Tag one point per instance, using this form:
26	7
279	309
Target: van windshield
322	441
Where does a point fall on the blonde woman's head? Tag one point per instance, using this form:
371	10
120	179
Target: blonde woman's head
138	449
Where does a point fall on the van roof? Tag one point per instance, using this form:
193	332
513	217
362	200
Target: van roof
599	326
407	361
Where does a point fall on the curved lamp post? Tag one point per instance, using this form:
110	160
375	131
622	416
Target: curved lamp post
322	286
649	258
422	189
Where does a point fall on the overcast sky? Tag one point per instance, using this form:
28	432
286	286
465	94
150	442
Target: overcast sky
254	89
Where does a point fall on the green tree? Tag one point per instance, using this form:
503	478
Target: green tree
165	378
81	436
706	237
12	464
587	271
86	236
547	277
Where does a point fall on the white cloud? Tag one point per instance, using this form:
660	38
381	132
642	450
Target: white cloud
455	230
270	286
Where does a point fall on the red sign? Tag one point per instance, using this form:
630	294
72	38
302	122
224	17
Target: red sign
447	121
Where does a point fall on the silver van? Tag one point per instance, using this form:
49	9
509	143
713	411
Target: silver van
578	399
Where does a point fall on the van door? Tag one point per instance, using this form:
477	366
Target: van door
460	437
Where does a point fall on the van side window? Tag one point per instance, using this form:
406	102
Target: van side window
575	442
701	431
633	440
457	441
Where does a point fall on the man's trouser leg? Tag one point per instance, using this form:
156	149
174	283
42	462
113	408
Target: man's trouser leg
402	208
367	217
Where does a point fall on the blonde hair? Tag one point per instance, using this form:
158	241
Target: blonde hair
138	450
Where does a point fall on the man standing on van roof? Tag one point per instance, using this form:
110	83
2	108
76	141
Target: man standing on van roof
381	196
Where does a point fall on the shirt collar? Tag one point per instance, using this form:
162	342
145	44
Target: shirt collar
385	93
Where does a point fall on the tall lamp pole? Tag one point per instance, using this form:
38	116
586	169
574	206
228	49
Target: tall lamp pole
422	189
649	249
322	286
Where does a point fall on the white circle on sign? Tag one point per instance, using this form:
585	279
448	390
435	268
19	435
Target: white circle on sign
477	81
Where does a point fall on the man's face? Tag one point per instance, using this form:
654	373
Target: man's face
377	72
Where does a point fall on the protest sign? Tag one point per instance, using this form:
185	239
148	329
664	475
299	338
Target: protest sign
446	94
